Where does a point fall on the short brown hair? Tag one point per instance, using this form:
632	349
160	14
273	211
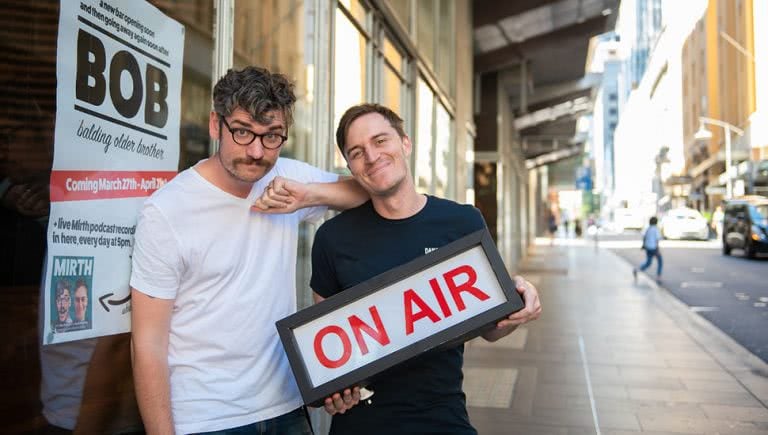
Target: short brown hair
355	112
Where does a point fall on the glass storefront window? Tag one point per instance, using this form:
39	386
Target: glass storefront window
426	105
197	18
83	385
443	147
402	9
425	29
393	55
358	11
393	89
445	52
350	48
271	35
392	83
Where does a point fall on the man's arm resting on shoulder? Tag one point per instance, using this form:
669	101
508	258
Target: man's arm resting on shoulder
531	311
284	195
151	320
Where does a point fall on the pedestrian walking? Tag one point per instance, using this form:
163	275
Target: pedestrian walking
651	240
717	222
551	226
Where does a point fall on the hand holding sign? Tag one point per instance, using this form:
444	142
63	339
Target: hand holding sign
531	311
339	403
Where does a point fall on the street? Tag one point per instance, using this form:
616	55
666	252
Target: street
729	291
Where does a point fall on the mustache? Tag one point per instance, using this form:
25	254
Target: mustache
249	161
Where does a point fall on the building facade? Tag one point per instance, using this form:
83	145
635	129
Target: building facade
720	82
413	56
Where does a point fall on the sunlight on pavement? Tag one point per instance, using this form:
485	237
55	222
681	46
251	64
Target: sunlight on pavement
627	244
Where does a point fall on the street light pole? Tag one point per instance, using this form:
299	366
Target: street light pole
703	133
728	182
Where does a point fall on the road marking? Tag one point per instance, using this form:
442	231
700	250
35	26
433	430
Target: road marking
589	384
701	284
759	304
741	296
697	269
763	299
704	309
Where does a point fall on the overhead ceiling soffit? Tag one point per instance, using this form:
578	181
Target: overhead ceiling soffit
569	108
534	21
545	159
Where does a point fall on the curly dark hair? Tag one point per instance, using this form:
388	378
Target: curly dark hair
255	90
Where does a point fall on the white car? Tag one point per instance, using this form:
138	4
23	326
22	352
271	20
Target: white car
628	219
684	223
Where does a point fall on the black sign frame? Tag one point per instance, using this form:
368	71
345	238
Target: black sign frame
458	333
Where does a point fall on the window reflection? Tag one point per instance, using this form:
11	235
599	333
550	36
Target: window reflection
424	143
425	30
402	9
392	90
358	11
274	35
445	50
349	72
83	386
271	35
443	146
392	82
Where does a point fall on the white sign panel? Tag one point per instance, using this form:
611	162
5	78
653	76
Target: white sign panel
119	71
398	315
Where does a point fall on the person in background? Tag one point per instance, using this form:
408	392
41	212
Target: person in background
651	240
551	225
717	221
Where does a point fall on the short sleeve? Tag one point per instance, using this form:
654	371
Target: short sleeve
156	260
323	281
476	220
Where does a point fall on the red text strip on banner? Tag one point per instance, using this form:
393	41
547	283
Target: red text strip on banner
91	185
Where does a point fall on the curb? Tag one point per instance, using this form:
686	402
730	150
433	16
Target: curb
749	370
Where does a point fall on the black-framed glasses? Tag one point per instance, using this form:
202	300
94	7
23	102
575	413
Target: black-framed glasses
243	136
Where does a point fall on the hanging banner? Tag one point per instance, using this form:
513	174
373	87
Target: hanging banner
119	70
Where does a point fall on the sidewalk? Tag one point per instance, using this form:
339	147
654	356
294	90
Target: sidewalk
610	356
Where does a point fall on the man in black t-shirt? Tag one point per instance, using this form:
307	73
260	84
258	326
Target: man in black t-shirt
397	225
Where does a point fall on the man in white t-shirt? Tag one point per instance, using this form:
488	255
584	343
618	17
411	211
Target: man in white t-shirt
211	274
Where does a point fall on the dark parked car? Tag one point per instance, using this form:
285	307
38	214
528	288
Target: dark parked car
745	225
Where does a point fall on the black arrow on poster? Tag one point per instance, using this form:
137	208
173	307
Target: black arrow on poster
113	302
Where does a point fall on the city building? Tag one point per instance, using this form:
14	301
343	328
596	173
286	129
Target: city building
720	83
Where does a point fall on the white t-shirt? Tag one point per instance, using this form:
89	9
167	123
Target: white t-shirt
232	274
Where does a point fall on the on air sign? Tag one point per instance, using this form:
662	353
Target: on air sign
447	296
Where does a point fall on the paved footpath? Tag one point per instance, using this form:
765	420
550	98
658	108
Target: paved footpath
611	356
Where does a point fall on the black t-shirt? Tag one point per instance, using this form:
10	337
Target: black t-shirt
423	395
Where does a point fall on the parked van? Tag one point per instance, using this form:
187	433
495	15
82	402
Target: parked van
745	225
